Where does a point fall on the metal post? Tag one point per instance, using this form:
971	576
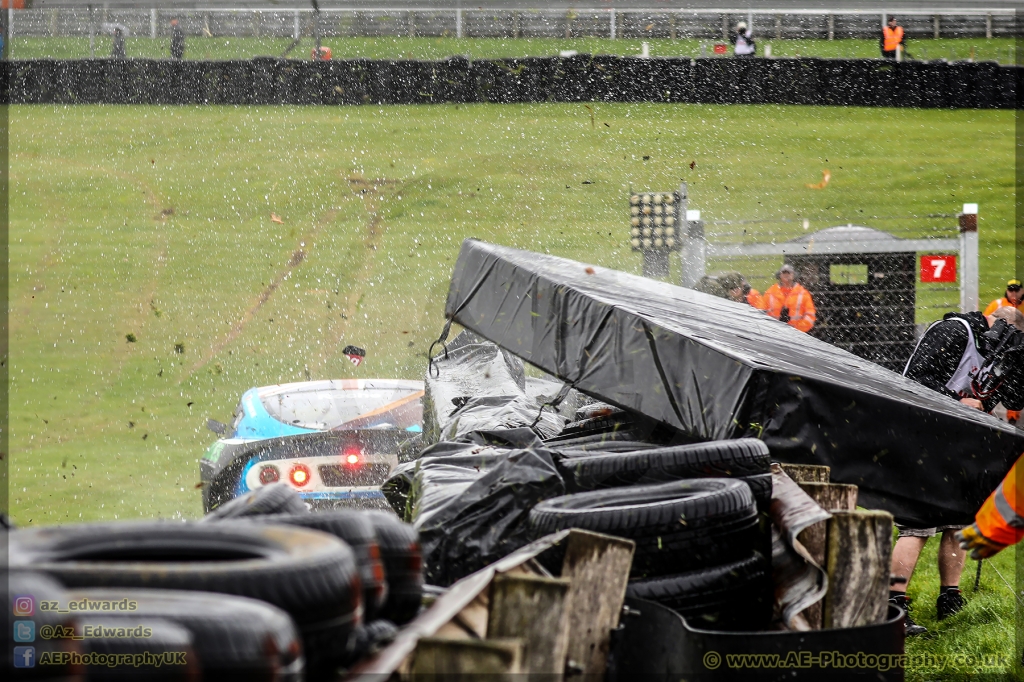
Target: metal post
611	24
458	23
152	23
969	258
935	26
295	29
831	26
988	26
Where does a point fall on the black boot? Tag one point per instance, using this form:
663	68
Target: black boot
912	628
950	601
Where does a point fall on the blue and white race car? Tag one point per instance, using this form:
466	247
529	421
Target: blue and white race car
335	442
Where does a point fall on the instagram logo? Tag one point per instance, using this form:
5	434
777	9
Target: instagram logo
24	605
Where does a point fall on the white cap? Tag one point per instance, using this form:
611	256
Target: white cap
971	209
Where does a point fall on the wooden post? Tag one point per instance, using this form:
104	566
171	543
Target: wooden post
436	658
858	556
831	497
598	566
807	473
532	609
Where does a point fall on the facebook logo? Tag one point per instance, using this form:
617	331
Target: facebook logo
24	657
24	631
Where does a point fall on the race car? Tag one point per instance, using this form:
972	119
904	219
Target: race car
335	442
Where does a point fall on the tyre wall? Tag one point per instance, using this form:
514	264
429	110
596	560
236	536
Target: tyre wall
581	78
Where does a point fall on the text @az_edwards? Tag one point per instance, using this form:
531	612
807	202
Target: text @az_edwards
853	661
95	632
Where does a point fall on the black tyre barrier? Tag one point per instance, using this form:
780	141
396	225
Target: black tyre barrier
236	639
310	575
678	526
734	596
403	566
580	78
356	530
276	498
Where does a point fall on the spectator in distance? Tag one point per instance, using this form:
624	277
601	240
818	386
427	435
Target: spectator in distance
1013	298
177	40
892	36
977	360
117	50
711	285
743	43
787	301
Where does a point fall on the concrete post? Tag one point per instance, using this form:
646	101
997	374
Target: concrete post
988	26
778	27
935	26
725	28
831	26
611	24
152	23
969	258
295	27
458	23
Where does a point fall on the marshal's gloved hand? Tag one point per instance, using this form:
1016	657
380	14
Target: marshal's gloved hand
784	314
981	547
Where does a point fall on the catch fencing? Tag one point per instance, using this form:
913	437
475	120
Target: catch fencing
579	78
875	290
977	22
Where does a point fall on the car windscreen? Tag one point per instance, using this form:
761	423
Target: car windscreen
332	407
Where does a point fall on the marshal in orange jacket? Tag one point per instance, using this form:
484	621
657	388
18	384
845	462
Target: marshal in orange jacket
1000	521
796	300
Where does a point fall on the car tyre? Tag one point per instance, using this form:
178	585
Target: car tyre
276	498
403	566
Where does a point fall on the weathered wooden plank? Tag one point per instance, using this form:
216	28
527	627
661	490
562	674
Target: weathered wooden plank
857	556
830	497
807	473
598	566
498	659
532	609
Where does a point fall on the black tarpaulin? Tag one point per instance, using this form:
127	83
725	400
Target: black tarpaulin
716	369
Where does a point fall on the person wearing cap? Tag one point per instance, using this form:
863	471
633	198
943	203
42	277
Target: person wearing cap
1013	298
892	38
753	296
956	357
739	290
177	40
743	43
787	301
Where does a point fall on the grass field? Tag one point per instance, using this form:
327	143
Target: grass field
150	284
1001	50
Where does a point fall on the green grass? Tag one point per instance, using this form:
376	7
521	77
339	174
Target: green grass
997	49
104	428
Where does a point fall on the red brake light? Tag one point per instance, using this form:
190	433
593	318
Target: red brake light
352	459
351	454
269	474
299	475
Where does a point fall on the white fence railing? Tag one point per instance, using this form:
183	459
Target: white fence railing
507	23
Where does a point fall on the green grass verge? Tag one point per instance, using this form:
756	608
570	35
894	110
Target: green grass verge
156	222
995	49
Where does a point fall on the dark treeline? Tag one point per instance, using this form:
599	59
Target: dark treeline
581	78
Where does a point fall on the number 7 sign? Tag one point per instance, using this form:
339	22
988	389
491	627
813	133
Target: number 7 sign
938	268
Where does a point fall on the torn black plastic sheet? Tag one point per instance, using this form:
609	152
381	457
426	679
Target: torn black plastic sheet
716	369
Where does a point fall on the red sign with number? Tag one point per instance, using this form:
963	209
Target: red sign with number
938	268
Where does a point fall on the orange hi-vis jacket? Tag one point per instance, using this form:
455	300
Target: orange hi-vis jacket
892	37
802	314
1000	303
755	299
1001	518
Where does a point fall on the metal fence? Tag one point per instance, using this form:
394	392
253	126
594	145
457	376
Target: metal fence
867	286
508	23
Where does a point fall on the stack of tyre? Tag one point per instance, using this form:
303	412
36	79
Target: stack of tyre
260	589
702	545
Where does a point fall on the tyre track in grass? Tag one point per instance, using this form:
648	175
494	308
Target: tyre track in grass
369	192
373	193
